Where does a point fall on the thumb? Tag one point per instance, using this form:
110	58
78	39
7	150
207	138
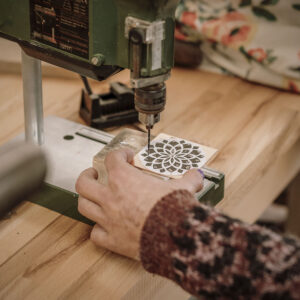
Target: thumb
192	181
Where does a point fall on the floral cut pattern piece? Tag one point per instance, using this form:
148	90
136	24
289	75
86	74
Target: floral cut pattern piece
172	156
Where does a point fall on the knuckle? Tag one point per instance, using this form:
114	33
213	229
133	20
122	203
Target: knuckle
118	174
79	185
110	157
98	239
115	176
94	172
128	152
81	205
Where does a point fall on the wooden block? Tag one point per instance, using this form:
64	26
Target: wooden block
171	156
128	138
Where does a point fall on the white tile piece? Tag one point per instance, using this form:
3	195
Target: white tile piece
172	156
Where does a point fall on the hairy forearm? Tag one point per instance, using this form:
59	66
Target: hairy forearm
212	255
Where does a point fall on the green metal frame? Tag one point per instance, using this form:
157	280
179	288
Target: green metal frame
60	201
106	29
66	203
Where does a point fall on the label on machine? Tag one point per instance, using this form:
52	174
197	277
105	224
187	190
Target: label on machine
63	24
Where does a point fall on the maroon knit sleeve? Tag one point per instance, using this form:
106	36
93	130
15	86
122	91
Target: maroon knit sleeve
217	257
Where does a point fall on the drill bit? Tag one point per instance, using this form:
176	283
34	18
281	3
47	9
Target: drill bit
149	134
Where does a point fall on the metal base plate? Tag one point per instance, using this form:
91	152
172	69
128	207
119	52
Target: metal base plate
70	148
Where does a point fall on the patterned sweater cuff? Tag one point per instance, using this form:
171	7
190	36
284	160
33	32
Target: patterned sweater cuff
156	242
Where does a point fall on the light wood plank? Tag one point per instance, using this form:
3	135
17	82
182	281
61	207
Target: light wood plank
18	229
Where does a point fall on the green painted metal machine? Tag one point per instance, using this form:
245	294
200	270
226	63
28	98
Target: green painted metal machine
97	38
93	37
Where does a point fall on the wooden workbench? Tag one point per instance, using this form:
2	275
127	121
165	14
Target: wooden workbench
256	129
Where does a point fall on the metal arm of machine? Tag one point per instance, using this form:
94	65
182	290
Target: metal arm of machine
33	99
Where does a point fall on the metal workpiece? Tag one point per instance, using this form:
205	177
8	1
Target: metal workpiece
33	99
23	168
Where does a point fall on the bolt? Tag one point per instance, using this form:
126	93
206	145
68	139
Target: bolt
98	60
144	72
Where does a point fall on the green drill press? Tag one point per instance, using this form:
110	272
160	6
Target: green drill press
96	38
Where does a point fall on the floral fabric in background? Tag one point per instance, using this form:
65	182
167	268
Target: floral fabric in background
258	40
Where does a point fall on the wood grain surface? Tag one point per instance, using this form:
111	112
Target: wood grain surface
256	129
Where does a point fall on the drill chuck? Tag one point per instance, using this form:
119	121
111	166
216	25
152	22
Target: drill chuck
150	102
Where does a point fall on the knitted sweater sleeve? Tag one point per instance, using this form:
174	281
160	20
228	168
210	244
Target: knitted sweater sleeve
214	256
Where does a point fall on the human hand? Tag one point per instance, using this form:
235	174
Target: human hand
121	208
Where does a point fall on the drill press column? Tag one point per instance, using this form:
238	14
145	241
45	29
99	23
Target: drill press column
33	99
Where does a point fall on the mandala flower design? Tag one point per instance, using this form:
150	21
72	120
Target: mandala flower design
172	156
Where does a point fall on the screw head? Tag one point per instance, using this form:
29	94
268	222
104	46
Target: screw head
144	72
98	60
